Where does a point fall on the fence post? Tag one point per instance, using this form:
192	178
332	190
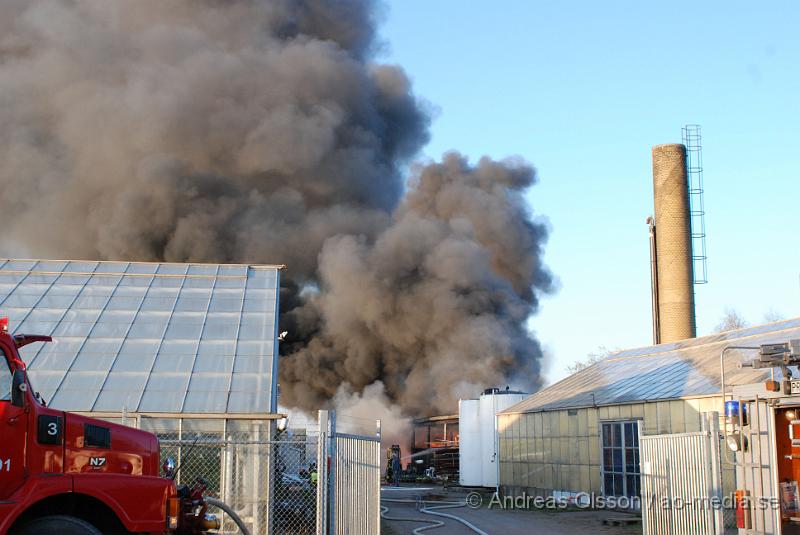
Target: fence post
227	488
377	490
644	483
322	472
252	453
332	483
716	472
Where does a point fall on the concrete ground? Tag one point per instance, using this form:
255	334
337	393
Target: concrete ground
492	521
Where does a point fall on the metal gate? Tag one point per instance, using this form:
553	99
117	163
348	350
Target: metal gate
681	481
756	463
348	500
265	477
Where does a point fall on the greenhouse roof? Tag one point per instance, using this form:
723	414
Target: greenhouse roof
147	337
685	369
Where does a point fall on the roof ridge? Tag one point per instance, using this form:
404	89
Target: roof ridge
677	349
143	262
610	378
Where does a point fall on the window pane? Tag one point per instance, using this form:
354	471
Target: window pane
5	379
209	382
72	328
147	330
54	301
110	330
606	434
172	269
199	401
618	485
217	347
630	460
158	303
183	331
617	428
138	268
178	347
248	402
252	363
224	304
221	328
199	282
20	300
608	485
214	363
256	348
617	454
629	434
632	483
54	361
173	363
608	460
89	362
133	362
256	331
191	304
124	302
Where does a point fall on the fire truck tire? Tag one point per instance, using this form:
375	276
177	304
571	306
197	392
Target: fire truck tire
58	524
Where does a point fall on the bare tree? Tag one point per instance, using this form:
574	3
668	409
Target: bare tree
732	320
592	358
772	316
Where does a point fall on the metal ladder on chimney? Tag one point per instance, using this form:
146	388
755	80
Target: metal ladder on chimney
692	139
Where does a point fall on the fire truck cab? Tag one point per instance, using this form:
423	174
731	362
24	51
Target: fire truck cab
66	474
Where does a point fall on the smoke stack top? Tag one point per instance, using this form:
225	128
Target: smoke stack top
266	131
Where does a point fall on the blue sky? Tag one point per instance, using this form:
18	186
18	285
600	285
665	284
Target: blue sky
583	90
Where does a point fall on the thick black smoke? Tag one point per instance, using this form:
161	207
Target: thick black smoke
435	305
263	131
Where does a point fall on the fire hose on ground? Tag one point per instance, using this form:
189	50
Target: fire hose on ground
230	512
432	524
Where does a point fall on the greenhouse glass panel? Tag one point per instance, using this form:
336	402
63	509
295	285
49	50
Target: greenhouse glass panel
147	337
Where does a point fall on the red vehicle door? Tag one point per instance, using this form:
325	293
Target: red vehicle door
13	434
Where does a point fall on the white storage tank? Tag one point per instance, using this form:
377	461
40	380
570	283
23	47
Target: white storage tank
477	447
469	442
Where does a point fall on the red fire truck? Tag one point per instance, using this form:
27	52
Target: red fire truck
65	474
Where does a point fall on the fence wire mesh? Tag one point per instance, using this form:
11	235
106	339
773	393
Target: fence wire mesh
271	483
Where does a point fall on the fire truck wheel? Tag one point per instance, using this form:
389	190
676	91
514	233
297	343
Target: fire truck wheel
62	525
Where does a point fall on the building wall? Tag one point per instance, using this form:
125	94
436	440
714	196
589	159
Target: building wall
559	451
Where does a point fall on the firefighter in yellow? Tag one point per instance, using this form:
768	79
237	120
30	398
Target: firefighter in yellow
314	474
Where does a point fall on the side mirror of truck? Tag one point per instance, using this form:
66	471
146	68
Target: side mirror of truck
18	388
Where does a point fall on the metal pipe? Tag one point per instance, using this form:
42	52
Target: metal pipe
654	281
756	445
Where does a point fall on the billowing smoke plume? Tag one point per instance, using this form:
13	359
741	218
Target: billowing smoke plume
263	131
435	306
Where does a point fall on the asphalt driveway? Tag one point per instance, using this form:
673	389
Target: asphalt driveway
403	515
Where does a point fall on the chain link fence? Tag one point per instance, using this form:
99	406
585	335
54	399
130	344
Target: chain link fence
245	468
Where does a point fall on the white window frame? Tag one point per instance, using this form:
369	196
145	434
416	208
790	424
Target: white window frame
624	473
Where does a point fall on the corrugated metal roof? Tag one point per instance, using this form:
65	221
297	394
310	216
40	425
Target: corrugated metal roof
146	337
689	368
